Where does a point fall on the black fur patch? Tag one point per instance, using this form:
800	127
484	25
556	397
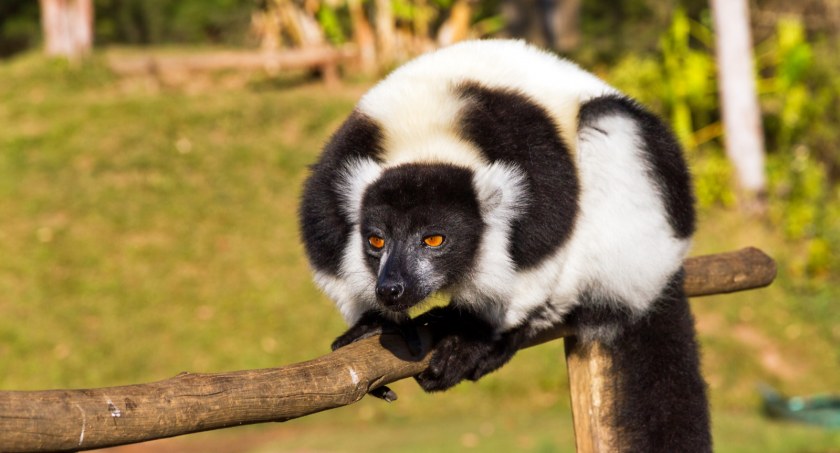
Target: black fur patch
661	403
323	226
466	347
662	152
423	186
413	200
508	126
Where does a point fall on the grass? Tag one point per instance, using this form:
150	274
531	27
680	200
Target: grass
149	229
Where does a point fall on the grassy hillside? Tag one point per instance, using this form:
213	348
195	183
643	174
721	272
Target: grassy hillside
148	229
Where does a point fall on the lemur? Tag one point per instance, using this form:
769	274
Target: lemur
531	193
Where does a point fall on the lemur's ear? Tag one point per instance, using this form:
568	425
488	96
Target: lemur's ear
502	191
355	178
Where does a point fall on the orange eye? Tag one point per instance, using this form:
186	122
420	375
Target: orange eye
433	241
376	242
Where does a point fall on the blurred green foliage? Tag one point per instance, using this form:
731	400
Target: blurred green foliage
800	101
19	27
139	22
613	29
166	21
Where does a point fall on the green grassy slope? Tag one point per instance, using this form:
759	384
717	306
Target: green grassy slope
147	229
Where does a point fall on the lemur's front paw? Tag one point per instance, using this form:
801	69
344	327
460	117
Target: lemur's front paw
466	347
454	359
372	323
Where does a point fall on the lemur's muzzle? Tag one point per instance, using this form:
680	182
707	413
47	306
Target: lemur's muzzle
390	292
392	288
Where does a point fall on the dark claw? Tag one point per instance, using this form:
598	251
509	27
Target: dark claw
384	393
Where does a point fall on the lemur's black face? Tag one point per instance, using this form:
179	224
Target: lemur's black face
421	226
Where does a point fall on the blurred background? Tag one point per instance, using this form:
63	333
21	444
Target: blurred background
152	153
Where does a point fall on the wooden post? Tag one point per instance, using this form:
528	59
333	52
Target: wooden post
68	27
588	368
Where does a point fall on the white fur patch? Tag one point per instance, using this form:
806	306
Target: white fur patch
416	101
501	190
622	249
419	119
552	281
360	281
352	289
343	294
355	178
625	240
443	147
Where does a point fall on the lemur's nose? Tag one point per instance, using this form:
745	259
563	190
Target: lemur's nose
390	292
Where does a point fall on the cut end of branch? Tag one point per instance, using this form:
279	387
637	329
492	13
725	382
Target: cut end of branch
748	268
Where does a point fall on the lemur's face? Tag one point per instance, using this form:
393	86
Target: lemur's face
421	228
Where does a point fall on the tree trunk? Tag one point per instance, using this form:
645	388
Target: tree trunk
363	36
386	33
68	27
742	119
457	26
522	19
562	22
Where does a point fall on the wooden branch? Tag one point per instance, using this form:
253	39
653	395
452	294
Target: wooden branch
722	273
72	420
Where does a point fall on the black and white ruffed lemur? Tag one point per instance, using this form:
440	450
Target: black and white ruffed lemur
531	193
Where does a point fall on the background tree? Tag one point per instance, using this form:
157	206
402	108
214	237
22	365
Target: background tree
741	115
549	23
68	27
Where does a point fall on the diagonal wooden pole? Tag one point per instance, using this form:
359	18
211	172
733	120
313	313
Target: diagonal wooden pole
73	420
